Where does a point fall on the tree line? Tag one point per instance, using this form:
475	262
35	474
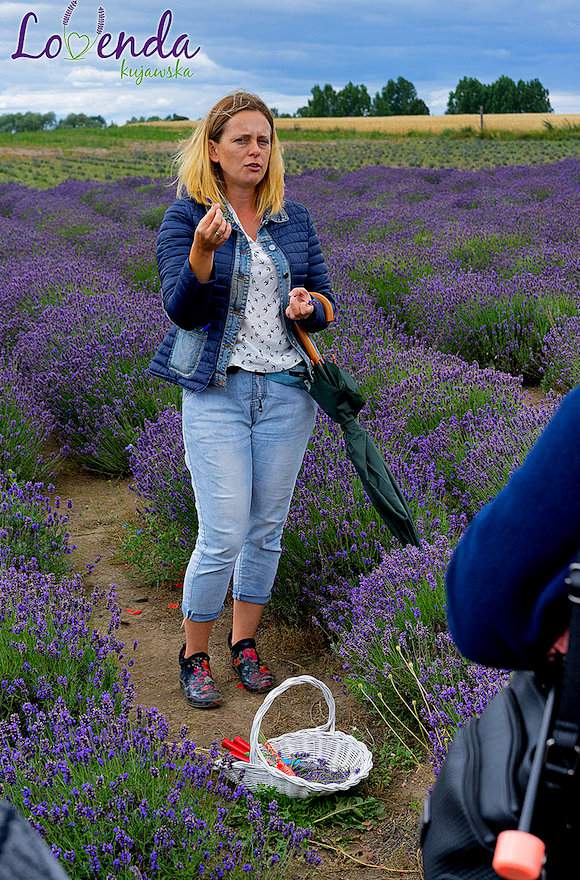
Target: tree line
172	117
396	98
13	122
399	98
501	96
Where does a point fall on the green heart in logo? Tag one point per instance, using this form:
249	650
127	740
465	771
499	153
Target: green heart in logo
80	38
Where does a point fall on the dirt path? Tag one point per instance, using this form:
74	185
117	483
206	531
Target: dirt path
535	394
100	507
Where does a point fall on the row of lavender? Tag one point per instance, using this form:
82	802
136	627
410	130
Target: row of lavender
483	264
94	774
89	769
474	273
81	319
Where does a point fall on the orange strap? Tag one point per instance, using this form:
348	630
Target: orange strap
303	336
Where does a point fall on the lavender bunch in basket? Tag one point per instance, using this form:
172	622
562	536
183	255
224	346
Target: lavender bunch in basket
319	769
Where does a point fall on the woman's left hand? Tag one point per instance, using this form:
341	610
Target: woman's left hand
300	305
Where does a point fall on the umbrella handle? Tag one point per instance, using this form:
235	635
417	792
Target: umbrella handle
303	336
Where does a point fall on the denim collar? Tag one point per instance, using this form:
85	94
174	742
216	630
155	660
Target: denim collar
280	216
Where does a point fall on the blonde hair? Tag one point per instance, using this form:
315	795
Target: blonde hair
200	178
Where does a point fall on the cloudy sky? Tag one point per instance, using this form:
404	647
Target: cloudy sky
281	48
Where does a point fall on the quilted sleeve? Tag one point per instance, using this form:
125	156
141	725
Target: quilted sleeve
185	299
316	280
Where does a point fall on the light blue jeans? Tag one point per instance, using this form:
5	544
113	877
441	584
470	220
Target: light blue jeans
244	446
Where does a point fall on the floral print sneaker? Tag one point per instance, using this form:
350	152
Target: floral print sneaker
253	673
196	681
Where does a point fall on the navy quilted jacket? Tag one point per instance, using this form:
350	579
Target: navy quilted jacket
206	316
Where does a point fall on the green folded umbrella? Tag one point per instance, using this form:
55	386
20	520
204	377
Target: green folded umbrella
337	393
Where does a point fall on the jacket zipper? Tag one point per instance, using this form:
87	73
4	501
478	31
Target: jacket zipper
483	834
471	790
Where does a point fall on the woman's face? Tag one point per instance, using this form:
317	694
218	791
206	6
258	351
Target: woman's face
244	149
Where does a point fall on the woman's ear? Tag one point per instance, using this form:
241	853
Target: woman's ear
212	150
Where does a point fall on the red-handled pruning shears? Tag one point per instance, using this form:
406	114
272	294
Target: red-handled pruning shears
240	749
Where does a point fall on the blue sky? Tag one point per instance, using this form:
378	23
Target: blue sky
281	48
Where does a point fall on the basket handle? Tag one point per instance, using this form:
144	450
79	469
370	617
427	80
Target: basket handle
256	755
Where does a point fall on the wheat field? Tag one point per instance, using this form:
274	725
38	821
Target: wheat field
518	122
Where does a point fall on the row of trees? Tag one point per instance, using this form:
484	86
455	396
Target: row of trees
48	121
13	122
171	117
399	98
501	96
396	98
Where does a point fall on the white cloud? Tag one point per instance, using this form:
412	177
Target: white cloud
120	100
87	75
284	103
435	97
111	103
496	53
565	102
10	11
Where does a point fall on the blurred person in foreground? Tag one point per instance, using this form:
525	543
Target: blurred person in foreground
507	600
24	854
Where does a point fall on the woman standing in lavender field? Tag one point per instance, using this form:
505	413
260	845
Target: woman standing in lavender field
237	262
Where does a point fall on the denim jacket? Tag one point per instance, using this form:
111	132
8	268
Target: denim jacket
206	316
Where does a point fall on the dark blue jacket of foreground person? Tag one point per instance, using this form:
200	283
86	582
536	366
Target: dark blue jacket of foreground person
506	597
24	854
206	316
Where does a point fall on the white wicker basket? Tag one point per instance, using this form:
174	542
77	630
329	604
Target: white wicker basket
341	750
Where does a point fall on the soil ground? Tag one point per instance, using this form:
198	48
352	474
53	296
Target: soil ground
100	507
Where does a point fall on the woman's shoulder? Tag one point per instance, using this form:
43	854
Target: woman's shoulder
189	204
183	210
298	213
294	208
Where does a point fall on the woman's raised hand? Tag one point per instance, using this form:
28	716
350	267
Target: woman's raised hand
300	304
212	230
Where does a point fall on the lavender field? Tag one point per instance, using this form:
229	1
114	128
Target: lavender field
458	315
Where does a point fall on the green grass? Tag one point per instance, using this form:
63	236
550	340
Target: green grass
477	253
341	811
508	334
72	138
387	281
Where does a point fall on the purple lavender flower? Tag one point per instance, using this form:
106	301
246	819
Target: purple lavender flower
68	12
561	356
74	750
100	20
33	534
25	426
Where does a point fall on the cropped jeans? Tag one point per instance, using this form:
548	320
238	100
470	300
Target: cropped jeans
244	446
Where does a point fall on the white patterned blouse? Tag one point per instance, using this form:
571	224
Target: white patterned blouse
262	343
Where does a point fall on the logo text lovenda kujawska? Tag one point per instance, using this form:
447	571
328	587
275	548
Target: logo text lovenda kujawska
74	46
